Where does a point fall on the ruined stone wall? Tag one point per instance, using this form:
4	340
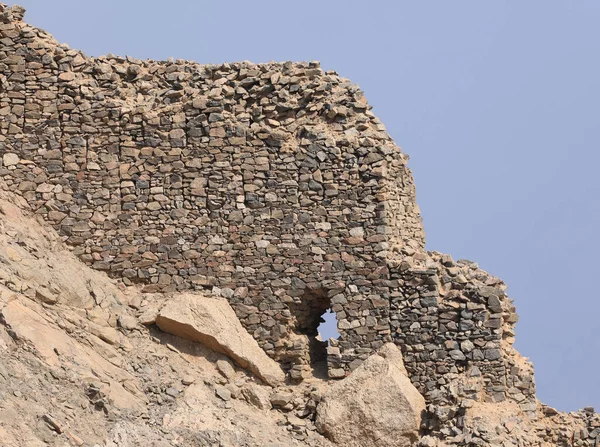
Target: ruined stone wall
455	324
272	185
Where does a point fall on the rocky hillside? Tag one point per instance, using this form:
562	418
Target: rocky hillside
80	368
84	363
170	235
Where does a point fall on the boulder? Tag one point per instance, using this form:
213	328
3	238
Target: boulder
376	405
212	322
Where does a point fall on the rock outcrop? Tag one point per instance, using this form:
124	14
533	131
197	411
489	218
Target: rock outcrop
26	323
376	405
35	261
82	371
212	322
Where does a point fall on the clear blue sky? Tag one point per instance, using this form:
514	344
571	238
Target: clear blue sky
496	102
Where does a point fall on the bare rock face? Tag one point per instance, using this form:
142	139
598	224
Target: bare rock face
35	263
375	406
213	323
55	348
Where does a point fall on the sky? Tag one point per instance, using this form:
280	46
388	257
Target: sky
495	102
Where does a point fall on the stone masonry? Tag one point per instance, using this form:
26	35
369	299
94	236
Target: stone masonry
272	185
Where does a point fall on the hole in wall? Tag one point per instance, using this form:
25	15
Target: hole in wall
328	327
315	321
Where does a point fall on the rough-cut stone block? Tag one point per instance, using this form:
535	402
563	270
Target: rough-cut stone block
212	322
376	405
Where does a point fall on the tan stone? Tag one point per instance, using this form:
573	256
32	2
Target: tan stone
213	323
376	405
53	347
66	76
10	159
37	257
257	396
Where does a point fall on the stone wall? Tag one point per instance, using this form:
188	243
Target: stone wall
455	324
272	185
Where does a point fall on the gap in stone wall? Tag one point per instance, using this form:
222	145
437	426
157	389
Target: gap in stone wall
328	327
308	312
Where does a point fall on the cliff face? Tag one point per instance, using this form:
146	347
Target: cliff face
274	187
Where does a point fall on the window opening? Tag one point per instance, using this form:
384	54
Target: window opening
328	327
315	320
